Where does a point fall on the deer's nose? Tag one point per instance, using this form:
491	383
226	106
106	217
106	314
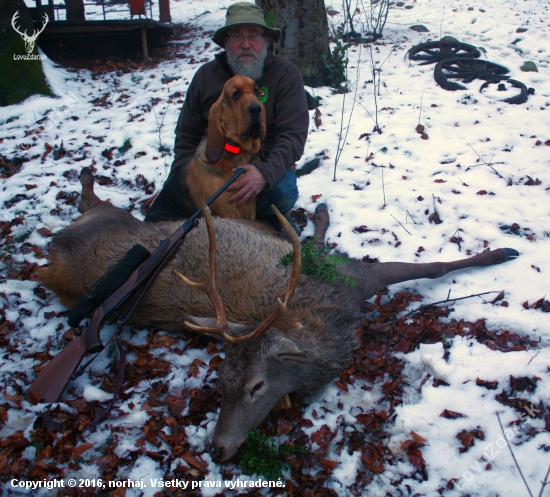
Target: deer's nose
254	109
216	453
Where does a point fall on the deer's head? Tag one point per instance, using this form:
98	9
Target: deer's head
262	361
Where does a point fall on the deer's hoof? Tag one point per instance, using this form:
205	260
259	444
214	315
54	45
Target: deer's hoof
511	254
86	177
321	207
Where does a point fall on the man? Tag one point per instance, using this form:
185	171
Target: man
246	40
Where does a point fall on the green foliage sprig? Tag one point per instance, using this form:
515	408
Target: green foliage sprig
258	455
336	65
319	262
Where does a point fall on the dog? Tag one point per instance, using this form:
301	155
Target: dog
236	129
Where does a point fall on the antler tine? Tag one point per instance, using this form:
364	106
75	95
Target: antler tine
208	286
297	248
13	19
45	21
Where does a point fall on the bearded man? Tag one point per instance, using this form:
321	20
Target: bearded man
246	39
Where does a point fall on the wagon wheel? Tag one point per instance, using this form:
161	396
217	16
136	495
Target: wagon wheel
467	70
521	98
434	51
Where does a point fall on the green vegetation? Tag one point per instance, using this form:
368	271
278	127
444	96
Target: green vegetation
337	64
319	262
258	455
127	145
19	79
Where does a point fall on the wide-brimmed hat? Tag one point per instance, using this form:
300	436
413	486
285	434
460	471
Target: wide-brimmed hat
241	13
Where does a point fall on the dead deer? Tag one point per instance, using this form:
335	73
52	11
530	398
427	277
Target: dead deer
282	331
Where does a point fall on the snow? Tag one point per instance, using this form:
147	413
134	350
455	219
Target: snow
475	143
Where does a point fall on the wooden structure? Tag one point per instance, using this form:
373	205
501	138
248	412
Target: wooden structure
76	37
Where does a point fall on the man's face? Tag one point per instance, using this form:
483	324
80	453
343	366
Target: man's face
246	49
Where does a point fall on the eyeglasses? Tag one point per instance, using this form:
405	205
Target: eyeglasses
254	38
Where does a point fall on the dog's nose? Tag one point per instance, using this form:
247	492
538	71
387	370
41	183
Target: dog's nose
254	109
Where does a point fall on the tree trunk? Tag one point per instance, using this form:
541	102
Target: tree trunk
75	10
21	72
304	36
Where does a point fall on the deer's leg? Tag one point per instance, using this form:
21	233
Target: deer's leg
88	198
321	221
384	274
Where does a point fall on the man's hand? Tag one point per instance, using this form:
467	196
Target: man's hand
248	186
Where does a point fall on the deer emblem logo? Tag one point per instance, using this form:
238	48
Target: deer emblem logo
29	40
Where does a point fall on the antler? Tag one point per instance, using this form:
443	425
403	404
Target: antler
45	21
25	36
209	286
15	16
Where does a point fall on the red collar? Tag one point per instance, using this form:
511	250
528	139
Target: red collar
232	147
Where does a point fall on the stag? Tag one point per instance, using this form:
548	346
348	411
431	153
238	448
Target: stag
282	331
29	40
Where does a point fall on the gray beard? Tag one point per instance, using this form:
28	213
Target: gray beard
254	69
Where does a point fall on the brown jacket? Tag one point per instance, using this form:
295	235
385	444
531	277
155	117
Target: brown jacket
286	114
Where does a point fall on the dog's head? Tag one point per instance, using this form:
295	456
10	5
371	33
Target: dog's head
238	116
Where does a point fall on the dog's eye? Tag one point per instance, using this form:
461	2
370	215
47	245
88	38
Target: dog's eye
256	91
236	94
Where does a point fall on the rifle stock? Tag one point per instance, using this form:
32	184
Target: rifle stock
54	377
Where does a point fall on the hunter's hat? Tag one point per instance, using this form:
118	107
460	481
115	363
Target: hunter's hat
241	13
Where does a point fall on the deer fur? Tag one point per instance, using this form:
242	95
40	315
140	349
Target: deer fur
305	348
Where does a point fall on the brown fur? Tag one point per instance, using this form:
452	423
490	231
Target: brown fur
305	348
229	118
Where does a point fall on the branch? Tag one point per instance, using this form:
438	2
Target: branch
398	221
423	306
513	456
544	482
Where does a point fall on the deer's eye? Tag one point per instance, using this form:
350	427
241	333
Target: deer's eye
256	388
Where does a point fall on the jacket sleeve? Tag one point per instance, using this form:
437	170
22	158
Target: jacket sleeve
191	125
290	127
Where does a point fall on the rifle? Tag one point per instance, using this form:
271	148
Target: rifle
133	274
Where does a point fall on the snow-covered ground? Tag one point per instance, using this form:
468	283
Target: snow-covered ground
484	165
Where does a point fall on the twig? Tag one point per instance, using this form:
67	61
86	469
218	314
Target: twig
490	164
538	352
399	222
383	187
367	111
420	112
340	148
423	306
376	125
442	19
544	482
513	456
159	126
410	215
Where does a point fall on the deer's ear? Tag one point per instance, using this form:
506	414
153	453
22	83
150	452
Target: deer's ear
214	139
284	349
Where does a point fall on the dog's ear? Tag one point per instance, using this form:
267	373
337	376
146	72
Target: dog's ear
214	140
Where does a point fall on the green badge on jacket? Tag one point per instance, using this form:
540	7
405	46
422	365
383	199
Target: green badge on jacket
263	94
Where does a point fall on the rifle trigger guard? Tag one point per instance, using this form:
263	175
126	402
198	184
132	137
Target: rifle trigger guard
111	317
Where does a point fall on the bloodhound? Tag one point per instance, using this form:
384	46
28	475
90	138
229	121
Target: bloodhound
236	128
